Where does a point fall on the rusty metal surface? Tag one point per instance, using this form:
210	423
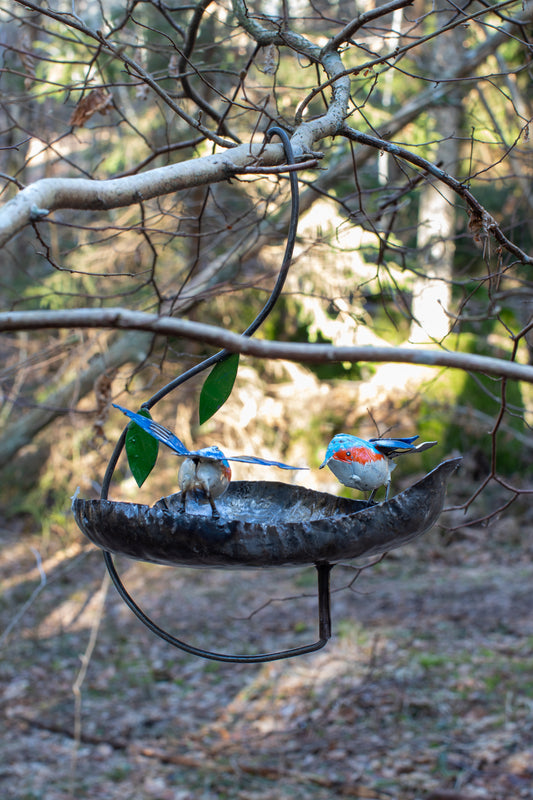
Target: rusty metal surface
264	524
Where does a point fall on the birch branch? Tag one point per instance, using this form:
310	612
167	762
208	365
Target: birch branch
38	199
122	319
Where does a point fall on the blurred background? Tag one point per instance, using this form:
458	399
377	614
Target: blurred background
426	686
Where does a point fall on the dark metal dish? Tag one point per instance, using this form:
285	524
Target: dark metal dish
264	524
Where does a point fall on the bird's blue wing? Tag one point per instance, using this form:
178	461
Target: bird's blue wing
157	431
395	444
395	447
213	453
264	461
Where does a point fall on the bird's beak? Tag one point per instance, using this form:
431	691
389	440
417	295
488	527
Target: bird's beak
322	465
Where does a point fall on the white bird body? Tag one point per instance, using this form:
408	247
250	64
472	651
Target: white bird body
363	475
367	465
206	479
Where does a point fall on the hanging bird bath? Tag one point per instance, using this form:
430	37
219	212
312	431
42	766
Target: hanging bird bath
264	524
261	524
256	524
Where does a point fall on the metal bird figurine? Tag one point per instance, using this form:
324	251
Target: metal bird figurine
204	472
367	465
206	477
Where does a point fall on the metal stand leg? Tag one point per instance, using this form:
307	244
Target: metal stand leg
324	610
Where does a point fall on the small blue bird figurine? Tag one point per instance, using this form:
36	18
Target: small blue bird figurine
367	465
204	476
206	472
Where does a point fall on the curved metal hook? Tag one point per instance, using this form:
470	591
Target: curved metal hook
324	616
263	314
276	291
324	569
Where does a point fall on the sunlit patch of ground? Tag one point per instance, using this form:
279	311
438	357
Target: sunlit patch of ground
425	686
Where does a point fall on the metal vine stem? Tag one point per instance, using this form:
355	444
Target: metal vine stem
323	569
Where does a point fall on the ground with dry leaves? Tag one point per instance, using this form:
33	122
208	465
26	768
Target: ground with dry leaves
424	692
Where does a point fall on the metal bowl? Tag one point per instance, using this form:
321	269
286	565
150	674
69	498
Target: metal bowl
264	524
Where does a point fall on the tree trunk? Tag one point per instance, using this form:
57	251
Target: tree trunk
436	216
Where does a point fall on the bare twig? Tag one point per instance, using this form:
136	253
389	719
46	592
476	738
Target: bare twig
80	678
22	610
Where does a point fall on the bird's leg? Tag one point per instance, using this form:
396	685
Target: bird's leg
205	488
371	496
388	490
183	499
214	511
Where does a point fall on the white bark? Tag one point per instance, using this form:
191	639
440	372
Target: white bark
40	198
120	319
436	215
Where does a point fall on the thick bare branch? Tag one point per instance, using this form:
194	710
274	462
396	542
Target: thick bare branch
121	319
37	200
330	122
274	34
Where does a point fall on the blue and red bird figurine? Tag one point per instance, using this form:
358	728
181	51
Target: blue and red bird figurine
205	473
367	465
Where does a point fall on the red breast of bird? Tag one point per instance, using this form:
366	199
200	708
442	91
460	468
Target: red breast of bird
359	466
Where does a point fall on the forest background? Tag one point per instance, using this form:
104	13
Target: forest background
143	220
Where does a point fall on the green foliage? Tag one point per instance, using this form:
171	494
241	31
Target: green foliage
217	387
141	450
459	409
389	313
290	321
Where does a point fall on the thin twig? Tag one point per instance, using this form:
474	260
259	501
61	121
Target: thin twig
80	678
22	610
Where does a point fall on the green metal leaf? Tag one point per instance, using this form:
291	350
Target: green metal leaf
141	450
217	386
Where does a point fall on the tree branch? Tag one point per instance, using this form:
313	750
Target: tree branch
122	319
480	220
412	108
38	199
362	19
71	21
